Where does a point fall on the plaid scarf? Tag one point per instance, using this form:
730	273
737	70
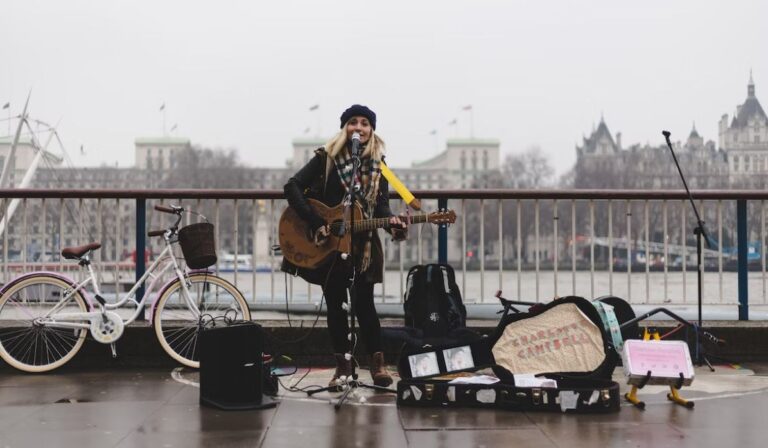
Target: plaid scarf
368	176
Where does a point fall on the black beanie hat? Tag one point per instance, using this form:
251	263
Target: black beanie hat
356	110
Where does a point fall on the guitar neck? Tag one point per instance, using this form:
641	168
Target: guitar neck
377	223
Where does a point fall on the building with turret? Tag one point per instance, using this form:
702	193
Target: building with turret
745	140
739	160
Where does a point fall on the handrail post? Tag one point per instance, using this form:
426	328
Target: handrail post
141	243
741	232
442	235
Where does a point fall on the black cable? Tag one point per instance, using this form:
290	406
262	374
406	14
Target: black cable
294	387
287	311
319	309
208	320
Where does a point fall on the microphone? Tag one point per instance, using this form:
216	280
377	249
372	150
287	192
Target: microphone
355	144
666	135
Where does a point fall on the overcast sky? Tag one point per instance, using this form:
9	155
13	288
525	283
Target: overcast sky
243	74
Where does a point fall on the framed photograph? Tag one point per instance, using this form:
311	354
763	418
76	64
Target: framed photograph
423	364
458	358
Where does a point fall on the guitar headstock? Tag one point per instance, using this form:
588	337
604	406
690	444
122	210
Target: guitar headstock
443	217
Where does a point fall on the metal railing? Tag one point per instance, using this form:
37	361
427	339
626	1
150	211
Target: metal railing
534	244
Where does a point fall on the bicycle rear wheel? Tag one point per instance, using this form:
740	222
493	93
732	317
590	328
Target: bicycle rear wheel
28	344
177	327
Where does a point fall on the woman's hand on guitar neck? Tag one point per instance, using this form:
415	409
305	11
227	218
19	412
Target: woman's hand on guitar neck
321	235
398	228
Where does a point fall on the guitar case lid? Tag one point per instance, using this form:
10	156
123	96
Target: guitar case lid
564	338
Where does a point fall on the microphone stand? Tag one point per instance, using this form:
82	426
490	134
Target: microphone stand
700	233
352	382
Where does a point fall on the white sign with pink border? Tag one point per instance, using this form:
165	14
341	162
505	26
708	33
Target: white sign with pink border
665	360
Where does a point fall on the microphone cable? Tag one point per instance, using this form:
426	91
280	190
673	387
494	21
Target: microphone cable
294	387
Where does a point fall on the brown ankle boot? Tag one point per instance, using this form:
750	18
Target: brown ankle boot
343	368
378	371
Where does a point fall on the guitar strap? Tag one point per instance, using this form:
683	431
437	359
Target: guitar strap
328	166
610	323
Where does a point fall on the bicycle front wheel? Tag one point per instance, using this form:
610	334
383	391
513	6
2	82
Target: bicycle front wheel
177	326
27	342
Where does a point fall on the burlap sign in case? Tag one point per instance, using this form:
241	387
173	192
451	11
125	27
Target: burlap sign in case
562	339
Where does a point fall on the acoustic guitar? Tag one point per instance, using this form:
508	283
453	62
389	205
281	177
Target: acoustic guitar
298	245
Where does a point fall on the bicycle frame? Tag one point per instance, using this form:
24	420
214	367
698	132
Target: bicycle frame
64	320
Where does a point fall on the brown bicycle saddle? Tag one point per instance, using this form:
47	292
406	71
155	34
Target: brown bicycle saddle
74	253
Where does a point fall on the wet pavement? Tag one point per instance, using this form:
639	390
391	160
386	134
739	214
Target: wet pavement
159	408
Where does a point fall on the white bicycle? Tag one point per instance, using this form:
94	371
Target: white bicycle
45	316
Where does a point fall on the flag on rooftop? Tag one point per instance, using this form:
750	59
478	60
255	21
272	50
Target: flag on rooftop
315	107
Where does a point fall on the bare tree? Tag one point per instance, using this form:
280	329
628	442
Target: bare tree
207	168
529	170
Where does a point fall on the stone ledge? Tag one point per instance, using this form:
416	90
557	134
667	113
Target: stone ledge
745	341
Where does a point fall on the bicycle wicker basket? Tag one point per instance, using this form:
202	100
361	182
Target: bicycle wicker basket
198	245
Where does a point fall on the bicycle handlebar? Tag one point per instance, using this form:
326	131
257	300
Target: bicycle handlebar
172	209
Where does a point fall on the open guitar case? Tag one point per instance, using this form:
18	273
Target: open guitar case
564	341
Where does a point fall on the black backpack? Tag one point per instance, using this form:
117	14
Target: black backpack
432	301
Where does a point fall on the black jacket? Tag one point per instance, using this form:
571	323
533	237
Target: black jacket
310	182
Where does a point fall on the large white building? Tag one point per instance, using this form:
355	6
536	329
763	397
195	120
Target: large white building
159	153
23	159
465	163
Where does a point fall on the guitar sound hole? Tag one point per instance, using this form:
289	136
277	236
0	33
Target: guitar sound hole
338	229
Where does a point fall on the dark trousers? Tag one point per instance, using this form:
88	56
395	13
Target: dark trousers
365	311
